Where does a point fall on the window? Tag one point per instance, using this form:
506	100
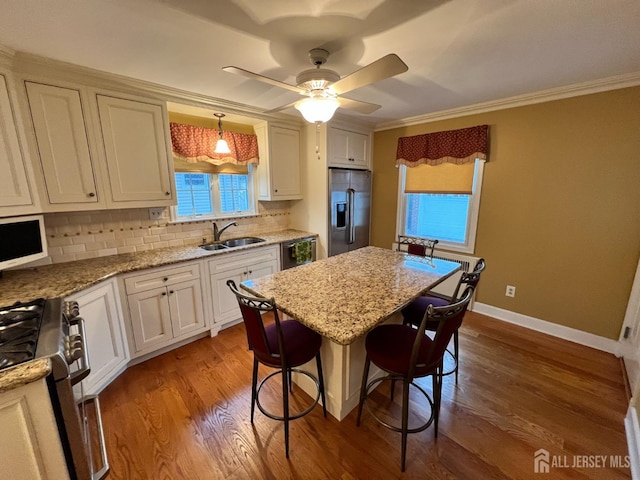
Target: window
451	218
213	195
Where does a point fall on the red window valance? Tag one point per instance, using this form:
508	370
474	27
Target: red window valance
452	146
197	144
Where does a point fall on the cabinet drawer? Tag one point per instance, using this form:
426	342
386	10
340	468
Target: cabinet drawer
161	278
240	259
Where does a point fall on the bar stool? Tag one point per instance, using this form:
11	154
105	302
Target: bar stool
422	247
283	345
413	313
405	354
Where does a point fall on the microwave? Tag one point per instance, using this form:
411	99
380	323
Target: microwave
22	240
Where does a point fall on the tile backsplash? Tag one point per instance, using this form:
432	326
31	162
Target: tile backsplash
79	235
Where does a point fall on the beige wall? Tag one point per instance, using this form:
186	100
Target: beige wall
560	207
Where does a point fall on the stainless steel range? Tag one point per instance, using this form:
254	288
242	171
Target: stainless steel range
54	329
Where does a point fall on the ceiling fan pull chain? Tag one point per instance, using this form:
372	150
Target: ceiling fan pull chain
318	139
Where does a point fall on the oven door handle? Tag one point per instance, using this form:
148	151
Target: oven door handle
85	368
102	473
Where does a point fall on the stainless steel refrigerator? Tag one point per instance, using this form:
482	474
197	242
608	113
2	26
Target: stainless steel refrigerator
350	209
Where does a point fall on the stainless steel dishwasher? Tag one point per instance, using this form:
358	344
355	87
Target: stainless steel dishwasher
290	250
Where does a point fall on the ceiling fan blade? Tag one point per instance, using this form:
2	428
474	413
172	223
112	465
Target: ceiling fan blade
384	67
357	105
262	78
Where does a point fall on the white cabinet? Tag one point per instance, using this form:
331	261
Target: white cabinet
15	193
30	445
165	305
237	267
348	149
62	141
279	168
105	340
136	147
99	150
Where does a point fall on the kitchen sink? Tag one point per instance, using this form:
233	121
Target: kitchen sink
214	246
240	242
233	242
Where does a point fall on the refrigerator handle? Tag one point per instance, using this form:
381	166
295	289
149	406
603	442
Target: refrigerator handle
351	197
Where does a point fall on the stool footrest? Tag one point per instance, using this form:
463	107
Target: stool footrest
293	417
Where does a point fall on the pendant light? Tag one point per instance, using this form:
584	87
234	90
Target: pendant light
221	145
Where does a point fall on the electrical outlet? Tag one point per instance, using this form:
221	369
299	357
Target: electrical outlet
511	291
156	213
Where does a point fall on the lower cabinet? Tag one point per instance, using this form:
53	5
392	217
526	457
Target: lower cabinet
237	267
106	344
165	306
30	445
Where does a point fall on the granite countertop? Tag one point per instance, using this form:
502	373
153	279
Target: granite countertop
24	373
63	279
345	296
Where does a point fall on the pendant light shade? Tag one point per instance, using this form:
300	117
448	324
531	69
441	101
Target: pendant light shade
317	109
221	145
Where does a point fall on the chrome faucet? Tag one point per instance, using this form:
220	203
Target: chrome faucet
217	233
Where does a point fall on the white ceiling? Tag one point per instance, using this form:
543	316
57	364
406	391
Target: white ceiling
459	52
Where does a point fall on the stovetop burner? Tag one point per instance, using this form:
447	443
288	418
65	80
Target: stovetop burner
19	330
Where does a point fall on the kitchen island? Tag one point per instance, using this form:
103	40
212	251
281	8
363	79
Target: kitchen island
342	298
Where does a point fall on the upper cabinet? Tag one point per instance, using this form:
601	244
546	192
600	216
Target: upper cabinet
15	193
279	168
348	149
97	150
136	146
62	141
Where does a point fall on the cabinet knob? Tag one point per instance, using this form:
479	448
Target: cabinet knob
92	194
250	272
167	193
165	279
171	292
164	294
276	190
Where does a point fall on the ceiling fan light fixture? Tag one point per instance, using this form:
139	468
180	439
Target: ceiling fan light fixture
221	145
317	109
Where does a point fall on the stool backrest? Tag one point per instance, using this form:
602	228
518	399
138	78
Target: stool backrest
449	318
422	247
252	309
470	279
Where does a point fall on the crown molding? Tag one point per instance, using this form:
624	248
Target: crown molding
28	64
568	91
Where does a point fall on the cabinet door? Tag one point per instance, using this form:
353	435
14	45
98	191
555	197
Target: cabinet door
135	145
285	162
358	149
261	269
339	144
186	307
63	144
225	305
150	318
30	446
108	356
14	187
279	169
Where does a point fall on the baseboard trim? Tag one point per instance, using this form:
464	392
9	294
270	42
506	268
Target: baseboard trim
633	438
560	331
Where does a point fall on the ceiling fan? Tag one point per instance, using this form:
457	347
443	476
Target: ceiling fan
323	88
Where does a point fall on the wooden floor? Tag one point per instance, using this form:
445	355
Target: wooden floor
185	415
